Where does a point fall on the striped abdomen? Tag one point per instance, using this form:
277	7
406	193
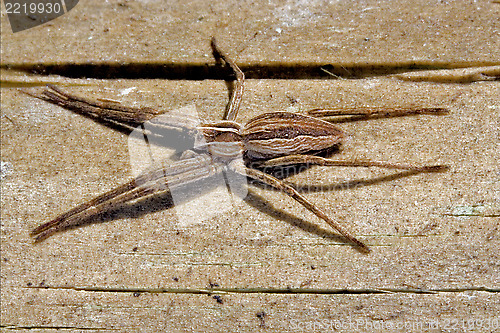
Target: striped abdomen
282	133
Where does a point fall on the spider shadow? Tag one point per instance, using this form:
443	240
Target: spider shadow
138	208
262	205
160	202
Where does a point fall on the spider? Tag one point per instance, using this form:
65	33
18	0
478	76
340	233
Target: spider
276	139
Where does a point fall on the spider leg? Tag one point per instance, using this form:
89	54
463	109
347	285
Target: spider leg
154	180
290	191
102	203
234	103
317	160
114	113
376	111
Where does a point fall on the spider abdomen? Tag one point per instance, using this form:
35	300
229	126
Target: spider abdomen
278	134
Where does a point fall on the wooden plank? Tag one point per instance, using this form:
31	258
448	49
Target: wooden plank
392	33
275	265
429	232
262	312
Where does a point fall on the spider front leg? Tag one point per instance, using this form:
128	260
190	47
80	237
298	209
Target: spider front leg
317	160
376	111
290	191
73	217
234	103
154	180
109	112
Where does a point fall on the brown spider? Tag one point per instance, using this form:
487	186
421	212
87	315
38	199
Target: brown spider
268	140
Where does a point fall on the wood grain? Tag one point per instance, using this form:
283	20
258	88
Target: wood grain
276	267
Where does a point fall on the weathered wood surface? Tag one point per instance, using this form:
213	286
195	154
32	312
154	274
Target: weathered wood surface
435	240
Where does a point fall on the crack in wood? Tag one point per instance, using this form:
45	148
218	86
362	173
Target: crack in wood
211	291
205	71
11	327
